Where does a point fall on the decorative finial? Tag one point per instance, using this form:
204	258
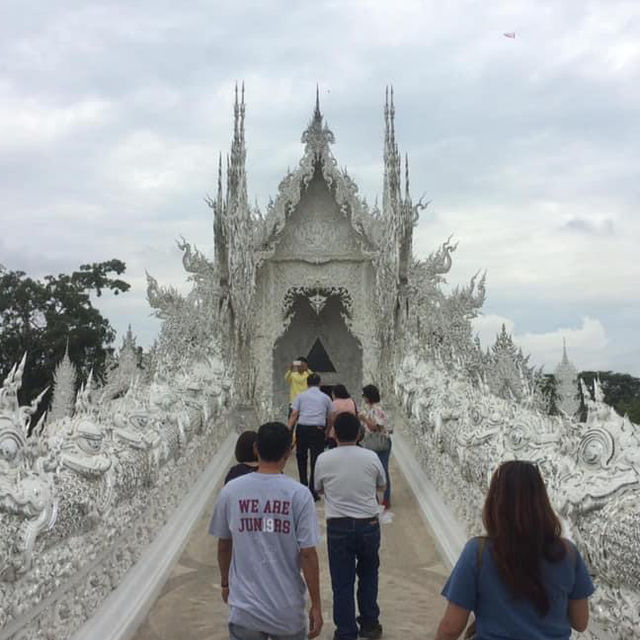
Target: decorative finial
315	134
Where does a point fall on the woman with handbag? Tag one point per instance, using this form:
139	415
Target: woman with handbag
523	580
377	433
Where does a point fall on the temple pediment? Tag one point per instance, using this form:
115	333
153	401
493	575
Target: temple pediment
317	230
318	213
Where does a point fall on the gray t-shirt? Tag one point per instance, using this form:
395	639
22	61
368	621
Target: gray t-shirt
349	477
269	519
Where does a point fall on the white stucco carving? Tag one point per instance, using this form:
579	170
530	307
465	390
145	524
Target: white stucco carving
80	499
463	431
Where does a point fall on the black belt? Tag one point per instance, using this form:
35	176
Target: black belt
346	519
315	426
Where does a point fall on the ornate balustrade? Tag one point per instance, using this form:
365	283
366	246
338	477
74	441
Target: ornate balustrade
83	497
461	432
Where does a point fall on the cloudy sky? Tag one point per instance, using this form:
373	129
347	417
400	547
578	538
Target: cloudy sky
112	116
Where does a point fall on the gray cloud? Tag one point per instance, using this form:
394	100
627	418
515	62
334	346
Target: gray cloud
585	225
113	116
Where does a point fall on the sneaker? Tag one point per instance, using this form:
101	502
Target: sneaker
371	630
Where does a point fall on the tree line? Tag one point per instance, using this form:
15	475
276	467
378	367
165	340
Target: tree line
621	391
44	317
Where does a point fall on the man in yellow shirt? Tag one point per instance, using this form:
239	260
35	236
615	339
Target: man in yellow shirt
296	378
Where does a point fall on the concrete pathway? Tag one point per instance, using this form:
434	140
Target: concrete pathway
411	576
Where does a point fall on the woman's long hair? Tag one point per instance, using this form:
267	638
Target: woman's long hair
523	529
340	391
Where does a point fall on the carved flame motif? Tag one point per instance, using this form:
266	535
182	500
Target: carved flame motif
317	296
317	302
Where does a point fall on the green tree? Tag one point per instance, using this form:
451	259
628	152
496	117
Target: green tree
621	391
38	316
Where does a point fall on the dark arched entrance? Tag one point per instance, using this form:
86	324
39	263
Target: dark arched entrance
318	330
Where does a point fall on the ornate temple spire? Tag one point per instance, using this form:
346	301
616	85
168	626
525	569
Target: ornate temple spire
566	384
220	227
236	177
317	137
398	210
407	220
391	189
231	211
239	270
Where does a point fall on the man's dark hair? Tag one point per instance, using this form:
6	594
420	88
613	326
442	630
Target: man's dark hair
244	447
347	427
371	393
340	391
302	359
273	441
313	380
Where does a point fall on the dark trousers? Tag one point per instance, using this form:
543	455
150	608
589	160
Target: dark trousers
309	444
384	459
353	551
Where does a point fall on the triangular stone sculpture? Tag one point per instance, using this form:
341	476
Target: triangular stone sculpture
319	359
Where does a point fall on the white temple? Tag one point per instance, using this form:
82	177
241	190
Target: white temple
87	501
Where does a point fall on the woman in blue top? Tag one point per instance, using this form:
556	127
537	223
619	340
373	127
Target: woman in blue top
523	581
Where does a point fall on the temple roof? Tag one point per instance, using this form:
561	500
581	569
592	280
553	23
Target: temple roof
317	138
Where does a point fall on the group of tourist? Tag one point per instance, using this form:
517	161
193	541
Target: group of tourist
312	414
521	580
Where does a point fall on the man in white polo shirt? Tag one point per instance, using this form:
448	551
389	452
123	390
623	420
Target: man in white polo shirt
350	476
310	413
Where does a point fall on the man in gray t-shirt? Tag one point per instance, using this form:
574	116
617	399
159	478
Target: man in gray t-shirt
268	530
349	476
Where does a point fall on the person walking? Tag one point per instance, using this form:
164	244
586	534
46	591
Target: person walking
523	580
342	403
311	412
377	433
296	377
349	477
245	456
267	532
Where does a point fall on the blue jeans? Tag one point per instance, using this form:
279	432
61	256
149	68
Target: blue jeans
236	632
384	458
353	550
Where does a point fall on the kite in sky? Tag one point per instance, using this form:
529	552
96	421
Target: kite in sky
510	34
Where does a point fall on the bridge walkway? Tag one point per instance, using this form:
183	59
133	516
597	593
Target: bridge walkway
411	576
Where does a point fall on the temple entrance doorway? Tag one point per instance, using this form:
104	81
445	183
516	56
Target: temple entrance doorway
318	329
